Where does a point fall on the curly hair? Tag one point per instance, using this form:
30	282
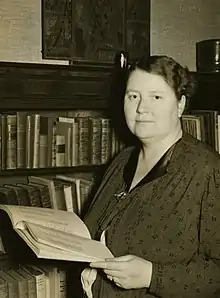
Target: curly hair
178	77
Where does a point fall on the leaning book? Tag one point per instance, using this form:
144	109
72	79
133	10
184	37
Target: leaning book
54	234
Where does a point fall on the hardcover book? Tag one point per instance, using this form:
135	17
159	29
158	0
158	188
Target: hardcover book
54	234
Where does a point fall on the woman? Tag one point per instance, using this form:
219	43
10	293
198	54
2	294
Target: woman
158	203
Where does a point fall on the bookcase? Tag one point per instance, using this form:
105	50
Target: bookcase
64	90
61	91
203	115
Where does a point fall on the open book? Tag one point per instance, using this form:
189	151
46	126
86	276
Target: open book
55	234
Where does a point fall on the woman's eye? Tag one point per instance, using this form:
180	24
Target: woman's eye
157	97
133	96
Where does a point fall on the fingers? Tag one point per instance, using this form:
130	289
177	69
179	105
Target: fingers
110	277
118	263
107	265
114	279
120	259
113	273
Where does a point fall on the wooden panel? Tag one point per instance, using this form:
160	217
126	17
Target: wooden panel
34	86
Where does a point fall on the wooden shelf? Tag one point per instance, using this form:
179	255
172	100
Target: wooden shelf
52	171
30	86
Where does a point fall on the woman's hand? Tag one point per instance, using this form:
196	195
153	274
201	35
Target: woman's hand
128	272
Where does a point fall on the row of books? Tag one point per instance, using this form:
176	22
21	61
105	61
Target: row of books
60	192
33	281
203	125
42	140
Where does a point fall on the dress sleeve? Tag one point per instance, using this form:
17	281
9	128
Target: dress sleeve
200	277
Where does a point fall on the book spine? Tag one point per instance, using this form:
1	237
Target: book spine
8	196
34	197
11	136
35	119
54	145
106	150
84	140
19	195
75	144
95	141
3	289
21	134
60	151
43	161
4	141
45	197
28	142
39	280
68	197
62	284
22	197
32	293
22	283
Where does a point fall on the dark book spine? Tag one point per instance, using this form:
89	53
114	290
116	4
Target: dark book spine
95	140
106	142
83	140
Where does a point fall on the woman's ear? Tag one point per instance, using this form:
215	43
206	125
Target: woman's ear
181	105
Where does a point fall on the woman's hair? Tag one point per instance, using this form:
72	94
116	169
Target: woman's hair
178	77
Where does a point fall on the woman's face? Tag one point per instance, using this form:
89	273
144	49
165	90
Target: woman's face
151	107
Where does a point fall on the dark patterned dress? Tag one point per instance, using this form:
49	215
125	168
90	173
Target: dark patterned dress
171	218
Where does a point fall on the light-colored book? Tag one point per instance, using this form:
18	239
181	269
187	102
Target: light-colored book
192	125
76	193
32	291
11	284
39	278
3	288
55	234
21	282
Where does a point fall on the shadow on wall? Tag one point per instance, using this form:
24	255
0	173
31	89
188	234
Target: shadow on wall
118	87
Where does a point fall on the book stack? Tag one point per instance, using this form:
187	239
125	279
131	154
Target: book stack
203	125
62	192
42	140
26	281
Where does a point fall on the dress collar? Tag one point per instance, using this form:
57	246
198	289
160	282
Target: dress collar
158	170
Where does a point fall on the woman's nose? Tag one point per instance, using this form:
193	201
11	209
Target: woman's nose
143	105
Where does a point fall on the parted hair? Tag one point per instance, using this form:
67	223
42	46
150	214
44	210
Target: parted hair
179	78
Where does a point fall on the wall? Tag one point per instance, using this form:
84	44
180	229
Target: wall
20	31
176	26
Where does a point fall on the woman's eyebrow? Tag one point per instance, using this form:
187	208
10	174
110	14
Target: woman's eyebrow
132	90
156	91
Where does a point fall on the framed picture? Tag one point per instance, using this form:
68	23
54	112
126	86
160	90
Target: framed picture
94	30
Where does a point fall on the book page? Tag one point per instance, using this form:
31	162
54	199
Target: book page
70	245
60	220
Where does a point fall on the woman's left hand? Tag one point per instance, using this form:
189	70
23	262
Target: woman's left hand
128	272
